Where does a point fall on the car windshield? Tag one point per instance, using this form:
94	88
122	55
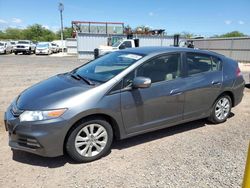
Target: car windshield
116	44
107	66
43	45
1	44
23	42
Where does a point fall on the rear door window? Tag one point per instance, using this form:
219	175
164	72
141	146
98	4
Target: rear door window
199	63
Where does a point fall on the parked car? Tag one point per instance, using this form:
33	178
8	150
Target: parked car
119	95
25	47
55	47
5	47
13	44
44	48
119	45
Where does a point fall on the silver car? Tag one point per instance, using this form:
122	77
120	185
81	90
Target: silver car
119	95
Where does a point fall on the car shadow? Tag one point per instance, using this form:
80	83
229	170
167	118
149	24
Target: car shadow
36	160
155	135
55	162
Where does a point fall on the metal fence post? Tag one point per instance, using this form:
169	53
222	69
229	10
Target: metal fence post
231	49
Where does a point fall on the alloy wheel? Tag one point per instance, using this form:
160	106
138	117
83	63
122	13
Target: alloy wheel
222	108
91	140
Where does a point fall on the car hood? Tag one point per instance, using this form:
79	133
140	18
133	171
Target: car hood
26	45
51	93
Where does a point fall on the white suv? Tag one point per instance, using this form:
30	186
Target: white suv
24	46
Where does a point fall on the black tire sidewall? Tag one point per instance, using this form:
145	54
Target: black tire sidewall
214	118
70	144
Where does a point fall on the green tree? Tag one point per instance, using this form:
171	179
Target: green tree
187	35
34	32
12	33
38	33
67	33
230	34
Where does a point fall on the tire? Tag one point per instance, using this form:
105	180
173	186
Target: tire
15	53
89	145
221	109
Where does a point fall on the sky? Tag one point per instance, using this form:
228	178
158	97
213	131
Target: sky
200	17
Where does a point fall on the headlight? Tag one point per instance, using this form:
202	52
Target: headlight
41	115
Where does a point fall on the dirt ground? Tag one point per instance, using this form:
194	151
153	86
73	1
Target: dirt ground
195	154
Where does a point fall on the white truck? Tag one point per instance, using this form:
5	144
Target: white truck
119	45
25	47
133	43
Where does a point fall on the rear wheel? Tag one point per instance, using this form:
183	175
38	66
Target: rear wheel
221	109
89	140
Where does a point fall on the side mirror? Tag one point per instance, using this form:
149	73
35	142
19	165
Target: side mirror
141	82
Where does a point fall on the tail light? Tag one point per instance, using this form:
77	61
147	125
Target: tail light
238	72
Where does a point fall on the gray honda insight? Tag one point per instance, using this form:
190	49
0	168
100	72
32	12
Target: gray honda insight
119	95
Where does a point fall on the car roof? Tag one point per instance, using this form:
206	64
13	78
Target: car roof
160	49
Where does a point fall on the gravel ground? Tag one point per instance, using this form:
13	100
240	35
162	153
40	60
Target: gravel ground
195	154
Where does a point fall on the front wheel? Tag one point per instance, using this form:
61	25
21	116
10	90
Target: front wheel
221	109
89	140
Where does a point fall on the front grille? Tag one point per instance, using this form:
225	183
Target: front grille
15	111
20	46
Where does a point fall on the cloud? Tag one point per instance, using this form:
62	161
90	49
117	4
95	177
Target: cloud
55	28
151	14
228	22
17	20
46	26
3	21
241	22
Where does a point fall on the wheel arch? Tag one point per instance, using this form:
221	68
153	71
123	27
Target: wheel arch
108	118
230	94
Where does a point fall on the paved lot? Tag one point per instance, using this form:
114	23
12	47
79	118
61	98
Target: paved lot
196	154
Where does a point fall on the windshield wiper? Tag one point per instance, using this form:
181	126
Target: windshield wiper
79	77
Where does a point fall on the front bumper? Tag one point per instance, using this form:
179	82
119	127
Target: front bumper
45	138
38	52
21	50
2	51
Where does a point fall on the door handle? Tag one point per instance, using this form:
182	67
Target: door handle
216	83
175	92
